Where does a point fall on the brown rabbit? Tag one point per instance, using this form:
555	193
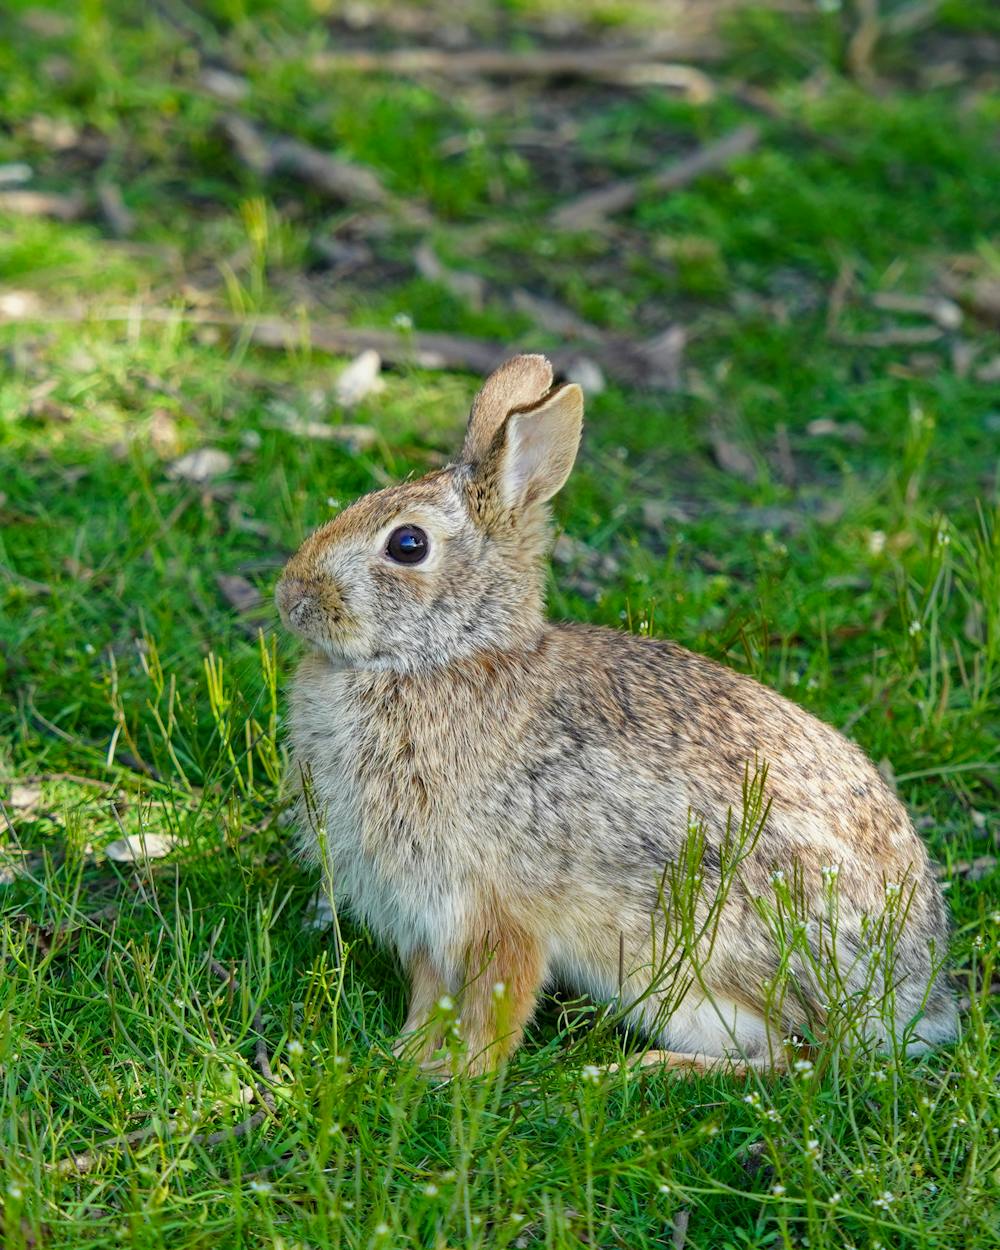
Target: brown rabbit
508	801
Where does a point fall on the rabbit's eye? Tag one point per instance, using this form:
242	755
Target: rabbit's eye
407	545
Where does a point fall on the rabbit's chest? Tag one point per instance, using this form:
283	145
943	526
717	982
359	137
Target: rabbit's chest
380	809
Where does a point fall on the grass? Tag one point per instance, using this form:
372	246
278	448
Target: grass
136	699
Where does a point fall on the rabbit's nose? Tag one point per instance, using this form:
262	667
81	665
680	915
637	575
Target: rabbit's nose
294	597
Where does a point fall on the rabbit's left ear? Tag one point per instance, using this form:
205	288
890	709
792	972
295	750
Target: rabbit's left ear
534	452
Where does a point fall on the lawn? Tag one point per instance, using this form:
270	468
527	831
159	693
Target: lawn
791	463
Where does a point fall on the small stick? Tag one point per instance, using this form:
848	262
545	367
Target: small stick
652	363
87	1160
43	204
618	66
588	210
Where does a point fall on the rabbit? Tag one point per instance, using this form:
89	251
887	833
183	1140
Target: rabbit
510	802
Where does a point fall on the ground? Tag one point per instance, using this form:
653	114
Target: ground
809	493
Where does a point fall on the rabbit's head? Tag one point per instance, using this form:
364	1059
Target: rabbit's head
420	574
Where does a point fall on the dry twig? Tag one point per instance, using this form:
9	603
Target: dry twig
588	210
274	154
655	362
629	67
44	204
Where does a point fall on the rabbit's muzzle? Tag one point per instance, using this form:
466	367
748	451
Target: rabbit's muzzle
309	607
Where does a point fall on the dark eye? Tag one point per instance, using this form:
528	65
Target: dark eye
407	545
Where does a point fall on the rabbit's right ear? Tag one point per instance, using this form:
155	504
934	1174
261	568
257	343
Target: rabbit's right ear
518	383
529	459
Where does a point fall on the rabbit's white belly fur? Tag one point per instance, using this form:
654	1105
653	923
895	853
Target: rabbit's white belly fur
408	905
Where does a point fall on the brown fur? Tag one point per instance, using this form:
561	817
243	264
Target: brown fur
497	789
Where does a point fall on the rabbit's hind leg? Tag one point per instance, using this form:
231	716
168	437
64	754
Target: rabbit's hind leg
706	1032
688	1065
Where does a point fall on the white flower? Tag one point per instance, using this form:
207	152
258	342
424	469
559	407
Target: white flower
876	542
778	1190
431	1190
446	1003
15	1191
830	871
835	1197
664	1187
752	1099
915	627
517	1217
333	1130
777	877
381	1230
590	1072
891	889
499	989
885	1199
296	1049
331	502
802	1065
403	321
261	1187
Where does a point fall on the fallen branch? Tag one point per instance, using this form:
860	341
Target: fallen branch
625	67
639	364
44	204
654	363
893	336
590	209
945	312
267	155
84	1162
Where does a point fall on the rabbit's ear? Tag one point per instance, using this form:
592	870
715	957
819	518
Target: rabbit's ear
538	448
519	382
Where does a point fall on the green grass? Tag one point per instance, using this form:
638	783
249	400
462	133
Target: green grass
866	587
